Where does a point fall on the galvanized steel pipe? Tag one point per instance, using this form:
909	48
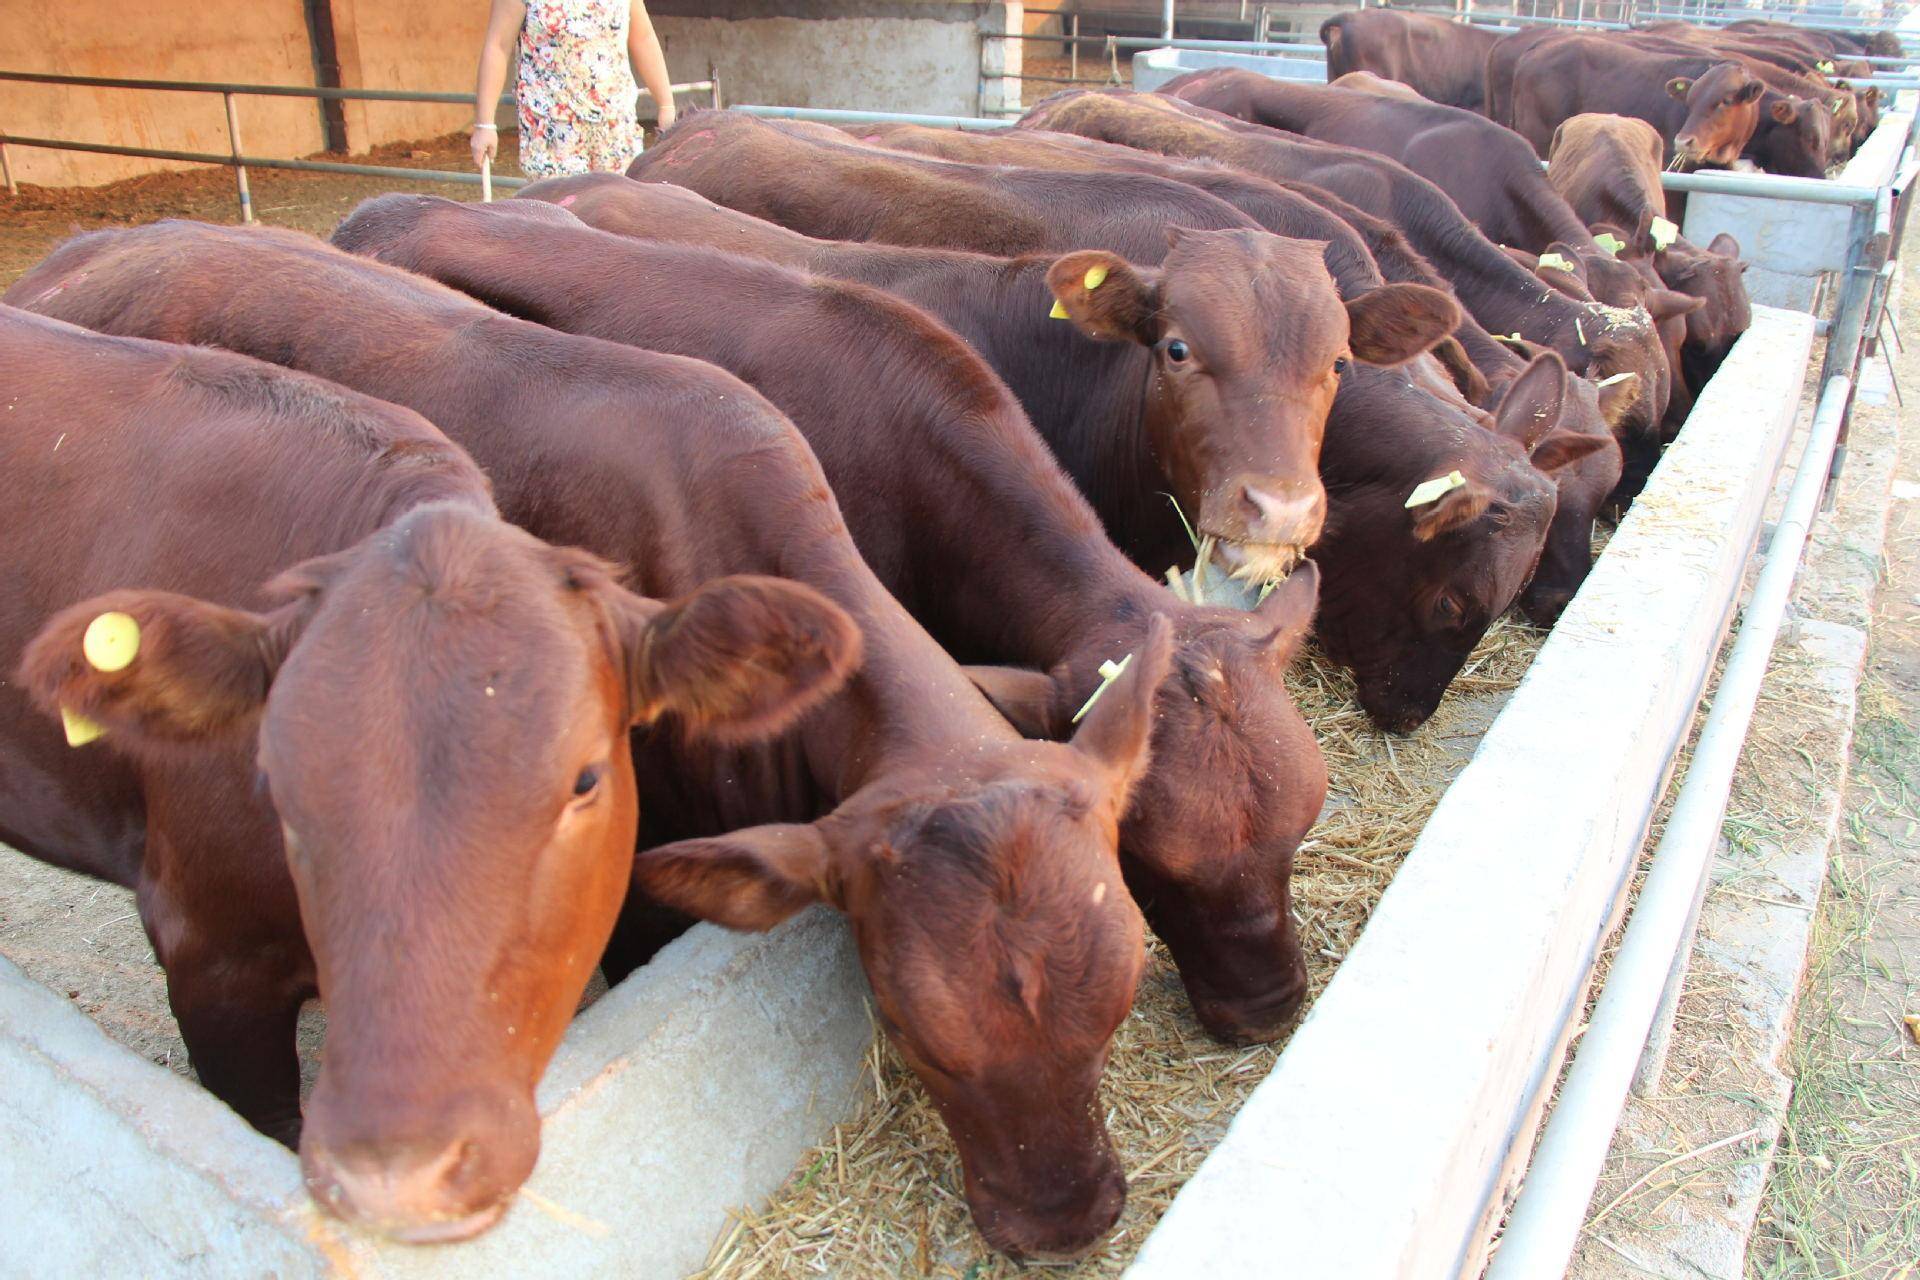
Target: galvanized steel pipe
1546	1220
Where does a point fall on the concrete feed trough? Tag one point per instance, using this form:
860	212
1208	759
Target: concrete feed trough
1376	1147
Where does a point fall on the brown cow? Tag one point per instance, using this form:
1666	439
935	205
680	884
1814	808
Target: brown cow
1706	108
1218	369
436	703
1583	486
979	870
1439	59
1594	341
1608	168
956	536
1368	82
1386	615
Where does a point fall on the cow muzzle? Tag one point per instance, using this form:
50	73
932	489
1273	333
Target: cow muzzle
427	1190
1262	528
1057	1223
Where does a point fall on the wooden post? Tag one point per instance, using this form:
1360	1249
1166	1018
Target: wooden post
6	169
239	170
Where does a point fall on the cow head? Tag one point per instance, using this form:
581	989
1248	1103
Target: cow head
1247	340
991	916
1716	276
442	714
1795	137
1582	485
1235	783
1723	108
1409	591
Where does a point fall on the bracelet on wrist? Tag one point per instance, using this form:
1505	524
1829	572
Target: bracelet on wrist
478	125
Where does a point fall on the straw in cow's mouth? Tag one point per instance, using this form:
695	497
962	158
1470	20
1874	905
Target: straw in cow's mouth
1229	573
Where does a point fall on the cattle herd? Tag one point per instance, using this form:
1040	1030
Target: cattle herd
794	510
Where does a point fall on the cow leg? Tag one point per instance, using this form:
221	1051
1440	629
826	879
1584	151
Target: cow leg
235	983
241	1043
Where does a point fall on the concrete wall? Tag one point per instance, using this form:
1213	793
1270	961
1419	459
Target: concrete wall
256	41
432	46
871	55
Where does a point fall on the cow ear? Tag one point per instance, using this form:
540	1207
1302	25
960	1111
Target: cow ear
1285	616
170	668
1615	398
1028	699
1519	346
1396	322
750	879
1785	111
1564	448
1533	402
1116	729
739	660
1724	245
1679	87
1452	509
1466	376
1104	296
1749	91
1665	304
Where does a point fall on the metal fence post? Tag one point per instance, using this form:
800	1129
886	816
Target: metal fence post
1073	48
6	169
239	170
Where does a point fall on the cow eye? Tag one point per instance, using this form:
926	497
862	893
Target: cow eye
1177	351
1448	609
1340	365
587	780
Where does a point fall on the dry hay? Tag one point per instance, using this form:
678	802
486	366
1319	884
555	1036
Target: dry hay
881	1197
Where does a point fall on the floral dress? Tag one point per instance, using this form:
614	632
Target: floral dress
576	90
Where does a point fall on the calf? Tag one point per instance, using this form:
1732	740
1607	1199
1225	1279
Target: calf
1440	60
979	870
1594	341
1214	372
1608	168
799	178
1489	172
953	501
361	739
972	295
1368	82
1705	108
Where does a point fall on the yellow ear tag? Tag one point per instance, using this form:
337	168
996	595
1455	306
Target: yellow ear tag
1435	489
1824	68
1556	262
1612	243
1664	233
1515	335
1109	672
80	730
1096	276
112	641
1059	312
1618	377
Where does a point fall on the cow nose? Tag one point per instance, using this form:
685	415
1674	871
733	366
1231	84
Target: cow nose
415	1198
1284	521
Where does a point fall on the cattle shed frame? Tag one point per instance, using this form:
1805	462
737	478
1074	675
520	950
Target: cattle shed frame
1388	1135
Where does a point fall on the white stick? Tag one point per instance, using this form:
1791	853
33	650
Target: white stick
486	179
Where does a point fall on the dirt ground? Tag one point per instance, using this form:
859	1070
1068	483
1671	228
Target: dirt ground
1843	1199
39	218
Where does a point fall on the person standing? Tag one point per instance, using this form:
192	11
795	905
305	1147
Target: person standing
576	90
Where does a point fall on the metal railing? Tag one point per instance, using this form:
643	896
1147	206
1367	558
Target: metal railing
237	160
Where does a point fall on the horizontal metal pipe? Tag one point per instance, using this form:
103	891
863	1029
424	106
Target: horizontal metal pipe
1154	42
832	115
274	90
1545	1222
1725	19
258	162
1773	186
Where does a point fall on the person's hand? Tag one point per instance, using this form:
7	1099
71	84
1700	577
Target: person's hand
667	116
486	145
